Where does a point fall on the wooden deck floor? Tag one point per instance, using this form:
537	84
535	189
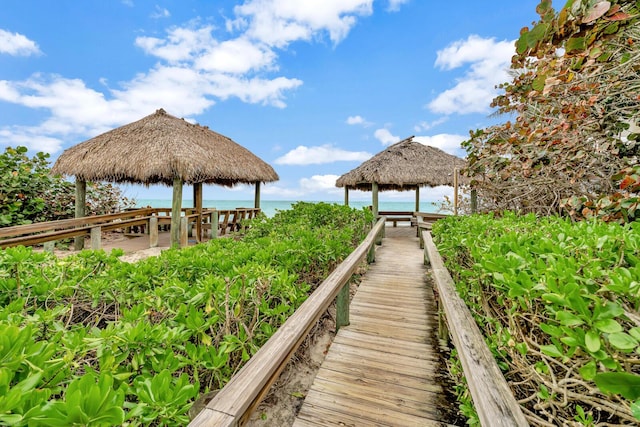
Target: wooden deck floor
384	368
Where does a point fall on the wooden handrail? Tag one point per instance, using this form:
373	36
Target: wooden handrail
234	403
68	233
492	397
18	230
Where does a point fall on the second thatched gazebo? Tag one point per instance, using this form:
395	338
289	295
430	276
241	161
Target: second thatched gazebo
404	166
163	149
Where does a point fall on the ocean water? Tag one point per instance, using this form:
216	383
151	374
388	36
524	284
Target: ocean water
270	207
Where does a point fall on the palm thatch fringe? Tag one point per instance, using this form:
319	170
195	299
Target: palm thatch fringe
159	148
405	165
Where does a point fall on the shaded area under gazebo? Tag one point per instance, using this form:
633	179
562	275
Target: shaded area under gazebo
404	166
163	149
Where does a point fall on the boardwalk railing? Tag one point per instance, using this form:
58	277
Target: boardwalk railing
146	219
234	403
492	397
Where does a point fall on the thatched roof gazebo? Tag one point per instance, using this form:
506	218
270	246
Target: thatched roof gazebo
163	149
404	166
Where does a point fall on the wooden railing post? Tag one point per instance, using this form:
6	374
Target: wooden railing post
184	235
214	224
342	307
153	232
96	238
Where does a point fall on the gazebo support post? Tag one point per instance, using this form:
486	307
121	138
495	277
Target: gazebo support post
81	202
176	210
346	195
197	203
374	201
256	198
417	198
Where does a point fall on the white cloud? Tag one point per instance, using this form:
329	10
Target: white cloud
17	45
160	12
358	120
320	183
385	137
314	187
446	142
181	43
26	137
281	192
394	5
302	155
424	126
236	56
488	61
280	22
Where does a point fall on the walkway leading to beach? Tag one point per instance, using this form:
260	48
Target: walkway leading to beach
384	369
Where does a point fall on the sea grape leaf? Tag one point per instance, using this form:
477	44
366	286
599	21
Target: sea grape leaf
575	44
623	383
622	341
592	341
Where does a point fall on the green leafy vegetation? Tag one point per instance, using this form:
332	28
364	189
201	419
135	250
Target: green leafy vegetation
558	302
90	340
29	193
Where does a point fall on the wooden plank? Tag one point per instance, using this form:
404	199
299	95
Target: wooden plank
413	379
410	399
492	397
364	401
321	412
393	345
378	357
246	388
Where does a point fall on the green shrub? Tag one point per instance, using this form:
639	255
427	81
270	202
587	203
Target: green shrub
151	337
558	302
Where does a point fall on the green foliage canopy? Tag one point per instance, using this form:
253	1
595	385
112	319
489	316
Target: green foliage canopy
29	193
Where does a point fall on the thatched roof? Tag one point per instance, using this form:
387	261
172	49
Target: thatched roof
403	166
159	148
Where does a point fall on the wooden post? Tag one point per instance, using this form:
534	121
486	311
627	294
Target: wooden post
455	191
371	255
374	196
342	307
176	208
346	195
417	198
214	224
81	201
197	203
153	232
474	201
96	237
184	235
256	198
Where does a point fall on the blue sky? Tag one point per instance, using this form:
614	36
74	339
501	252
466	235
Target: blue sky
313	87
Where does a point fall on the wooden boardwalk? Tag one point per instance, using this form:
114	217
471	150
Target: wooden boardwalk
384	369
